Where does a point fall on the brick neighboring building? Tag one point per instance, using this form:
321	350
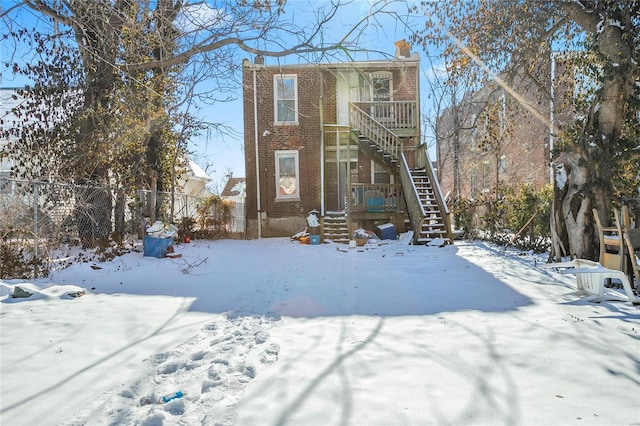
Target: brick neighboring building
328	137
501	142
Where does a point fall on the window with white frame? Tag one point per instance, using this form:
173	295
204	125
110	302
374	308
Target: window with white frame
285	89
287	173
503	164
486	176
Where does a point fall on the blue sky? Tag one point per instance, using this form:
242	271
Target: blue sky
218	154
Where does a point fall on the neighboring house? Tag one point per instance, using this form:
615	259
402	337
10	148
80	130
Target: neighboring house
192	184
500	142
342	139
235	193
194	181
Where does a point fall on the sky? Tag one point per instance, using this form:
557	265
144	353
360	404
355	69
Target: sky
273	332
219	153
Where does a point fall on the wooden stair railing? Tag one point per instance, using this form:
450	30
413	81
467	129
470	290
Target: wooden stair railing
412	198
386	141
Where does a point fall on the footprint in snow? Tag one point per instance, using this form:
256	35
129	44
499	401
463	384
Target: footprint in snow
212	366
270	354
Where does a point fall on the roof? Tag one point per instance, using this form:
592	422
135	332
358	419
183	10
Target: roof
413	60
197	172
234	187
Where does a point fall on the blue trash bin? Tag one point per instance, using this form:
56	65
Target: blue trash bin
155	246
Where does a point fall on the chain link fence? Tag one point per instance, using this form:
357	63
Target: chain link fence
39	217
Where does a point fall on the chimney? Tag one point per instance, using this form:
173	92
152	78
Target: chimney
259	60
403	49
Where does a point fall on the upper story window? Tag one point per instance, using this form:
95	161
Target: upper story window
285	89
381	94
381	86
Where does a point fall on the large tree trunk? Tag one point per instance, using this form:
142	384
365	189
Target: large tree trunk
577	190
588	166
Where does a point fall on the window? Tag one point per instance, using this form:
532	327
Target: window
381	94
380	175
287	183
5	183
381	86
486	176
285	89
474	182
503	165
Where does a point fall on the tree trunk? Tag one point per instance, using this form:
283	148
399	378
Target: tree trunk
577	190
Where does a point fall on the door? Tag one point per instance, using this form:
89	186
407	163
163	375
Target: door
377	87
341	167
347	87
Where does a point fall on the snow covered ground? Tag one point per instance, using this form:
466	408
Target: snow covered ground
271	332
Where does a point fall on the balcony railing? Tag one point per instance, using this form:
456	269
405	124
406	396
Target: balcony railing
393	114
373	198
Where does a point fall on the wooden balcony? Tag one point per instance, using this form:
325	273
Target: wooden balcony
394	115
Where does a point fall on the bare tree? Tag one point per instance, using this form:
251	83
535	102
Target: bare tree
139	63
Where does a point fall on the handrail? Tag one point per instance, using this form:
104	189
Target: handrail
422	159
415	208
373	130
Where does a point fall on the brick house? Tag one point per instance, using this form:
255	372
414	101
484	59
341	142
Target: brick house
501	143
342	139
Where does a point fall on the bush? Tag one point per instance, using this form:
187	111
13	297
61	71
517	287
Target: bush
519	217
17	260
214	214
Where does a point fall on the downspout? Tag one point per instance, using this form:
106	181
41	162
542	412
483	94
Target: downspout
255	130
321	147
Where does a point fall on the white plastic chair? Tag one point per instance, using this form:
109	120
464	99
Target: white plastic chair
591	278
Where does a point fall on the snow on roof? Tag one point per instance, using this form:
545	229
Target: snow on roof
197	171
234	187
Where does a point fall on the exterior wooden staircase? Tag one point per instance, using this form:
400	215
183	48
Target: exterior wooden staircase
433	226
426	207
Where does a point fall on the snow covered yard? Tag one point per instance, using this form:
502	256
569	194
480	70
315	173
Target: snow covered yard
273	332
